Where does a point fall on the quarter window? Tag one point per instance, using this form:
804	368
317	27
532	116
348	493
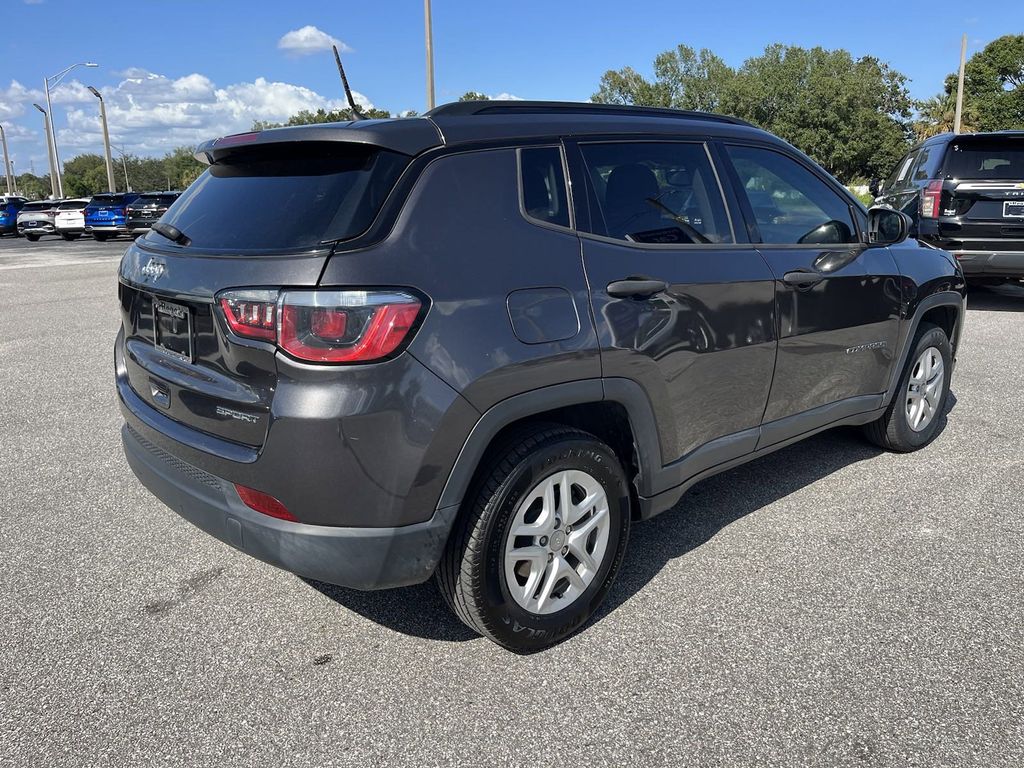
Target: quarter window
542	181
656	192
791	205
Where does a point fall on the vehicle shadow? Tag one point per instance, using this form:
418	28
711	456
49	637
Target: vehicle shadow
996	298
704	510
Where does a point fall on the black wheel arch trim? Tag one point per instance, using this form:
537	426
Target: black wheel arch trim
939	299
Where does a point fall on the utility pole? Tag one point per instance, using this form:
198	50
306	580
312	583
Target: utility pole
7	161
14	178
106	141
49	148
124	165
428	28
960	85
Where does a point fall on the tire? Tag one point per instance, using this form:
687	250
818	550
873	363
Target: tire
474	573
895	431
70	236
32	238
100	237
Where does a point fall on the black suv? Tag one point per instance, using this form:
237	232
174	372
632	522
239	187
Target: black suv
965	193
146	209
482	342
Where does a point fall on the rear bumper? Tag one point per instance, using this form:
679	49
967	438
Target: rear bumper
991	263
111	228
359	558
41	229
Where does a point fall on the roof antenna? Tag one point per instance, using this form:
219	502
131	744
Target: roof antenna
356	115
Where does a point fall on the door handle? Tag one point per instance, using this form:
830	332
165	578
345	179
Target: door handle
802	278
636	288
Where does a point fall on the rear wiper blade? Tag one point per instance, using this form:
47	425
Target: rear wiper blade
172	233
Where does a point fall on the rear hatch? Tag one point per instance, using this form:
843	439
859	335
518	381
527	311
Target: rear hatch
36	215
262	217
982	203
70	214
148	208
105	210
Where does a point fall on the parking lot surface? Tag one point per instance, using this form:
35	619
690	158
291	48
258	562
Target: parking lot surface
827	605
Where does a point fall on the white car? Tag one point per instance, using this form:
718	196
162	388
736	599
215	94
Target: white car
70	219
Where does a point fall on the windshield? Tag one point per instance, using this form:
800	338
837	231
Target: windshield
286	197
995	159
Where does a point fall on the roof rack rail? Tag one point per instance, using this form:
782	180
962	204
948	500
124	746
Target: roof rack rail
464	108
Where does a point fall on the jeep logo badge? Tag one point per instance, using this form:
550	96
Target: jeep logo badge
153	269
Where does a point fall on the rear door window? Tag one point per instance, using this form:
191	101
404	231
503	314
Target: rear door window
542	184
656	192
985	159
791	205
285	197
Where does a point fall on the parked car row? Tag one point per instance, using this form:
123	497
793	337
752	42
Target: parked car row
101	216
965	194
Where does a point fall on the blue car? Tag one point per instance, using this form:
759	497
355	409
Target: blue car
105	216
9	207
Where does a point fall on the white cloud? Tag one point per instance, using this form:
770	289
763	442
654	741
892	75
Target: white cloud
506	97
15	98
309	39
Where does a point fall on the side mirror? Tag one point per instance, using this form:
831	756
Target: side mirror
875	187
887	226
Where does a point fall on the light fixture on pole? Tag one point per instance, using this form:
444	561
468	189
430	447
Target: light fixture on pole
7	161
106	140
49	117
49	148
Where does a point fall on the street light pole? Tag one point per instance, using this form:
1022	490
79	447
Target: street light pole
49	147
14	179
429	30
49	118
960	85
124	165
106	141
7	160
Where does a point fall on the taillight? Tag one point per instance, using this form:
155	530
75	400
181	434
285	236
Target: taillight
324	326
252	314
931	197
345	326
264	503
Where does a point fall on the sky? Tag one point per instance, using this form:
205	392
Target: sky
177	72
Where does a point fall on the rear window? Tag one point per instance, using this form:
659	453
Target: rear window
142	200
29	207
985	159
74	205
107	200
290	197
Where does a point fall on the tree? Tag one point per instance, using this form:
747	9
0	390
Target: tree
993	92
33	187
307	117
474	96
851	115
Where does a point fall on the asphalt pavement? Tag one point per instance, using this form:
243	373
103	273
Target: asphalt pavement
829	605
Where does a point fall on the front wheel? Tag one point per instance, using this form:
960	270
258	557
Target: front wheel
540	542
915	416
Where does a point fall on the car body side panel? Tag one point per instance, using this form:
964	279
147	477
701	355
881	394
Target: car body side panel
462	240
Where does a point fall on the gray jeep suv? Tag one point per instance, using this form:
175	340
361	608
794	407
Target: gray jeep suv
481	343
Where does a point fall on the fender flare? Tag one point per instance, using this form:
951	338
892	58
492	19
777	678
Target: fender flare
625	392
940	299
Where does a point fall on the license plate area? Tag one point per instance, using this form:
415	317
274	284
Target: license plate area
172	328
1013	209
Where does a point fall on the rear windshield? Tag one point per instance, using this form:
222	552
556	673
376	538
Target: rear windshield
998	159
107	200
285	197
143	200
29	207
74	205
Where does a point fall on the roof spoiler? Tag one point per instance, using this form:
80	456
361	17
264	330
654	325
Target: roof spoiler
408	136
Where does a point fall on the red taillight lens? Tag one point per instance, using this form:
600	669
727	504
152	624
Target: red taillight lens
345	326
324	326
931	199
252	314
264	503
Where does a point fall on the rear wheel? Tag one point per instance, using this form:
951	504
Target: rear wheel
100	236
915	415
70	236
540	542
32	238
